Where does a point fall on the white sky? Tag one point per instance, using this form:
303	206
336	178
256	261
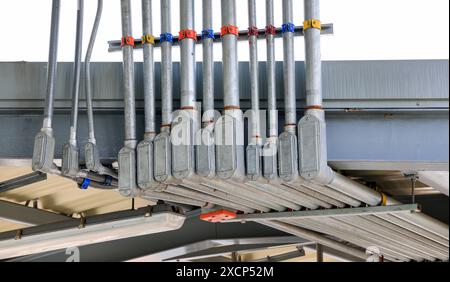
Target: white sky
363	29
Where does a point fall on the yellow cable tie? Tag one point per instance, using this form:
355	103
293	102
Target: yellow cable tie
148	38
312	23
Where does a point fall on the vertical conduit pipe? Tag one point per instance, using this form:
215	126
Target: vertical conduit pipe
270	69
208	64
51	66
127	156
187	49
149	71
166	66
77	74
70	162
254	73
90	149
289	67
44	142
144	149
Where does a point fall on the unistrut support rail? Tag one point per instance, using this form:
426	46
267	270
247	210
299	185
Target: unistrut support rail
115	45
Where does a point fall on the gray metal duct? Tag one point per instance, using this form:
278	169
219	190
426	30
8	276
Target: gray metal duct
44	142
70	162
144	149
127	155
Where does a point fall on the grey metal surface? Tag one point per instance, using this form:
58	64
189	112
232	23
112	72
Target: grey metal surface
415	84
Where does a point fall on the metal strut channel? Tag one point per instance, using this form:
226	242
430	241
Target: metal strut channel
114	45
410	208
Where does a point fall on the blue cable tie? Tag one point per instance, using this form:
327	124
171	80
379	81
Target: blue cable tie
166	37
287	27
208	33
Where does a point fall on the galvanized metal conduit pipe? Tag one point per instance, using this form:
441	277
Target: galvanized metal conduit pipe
127	155
315	237
87	66
207	198
150	195
389	234
346	235
289	69
128	77
51	67
313	63
149	72
166	67
413	228
187	49
226	196
70	155
44	142
388	244
77	74
270	69
407	233
254	74
208	66
229	57
91	152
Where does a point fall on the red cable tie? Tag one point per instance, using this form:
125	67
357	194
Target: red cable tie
229	29
127	40
187	33
270	29
253	31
